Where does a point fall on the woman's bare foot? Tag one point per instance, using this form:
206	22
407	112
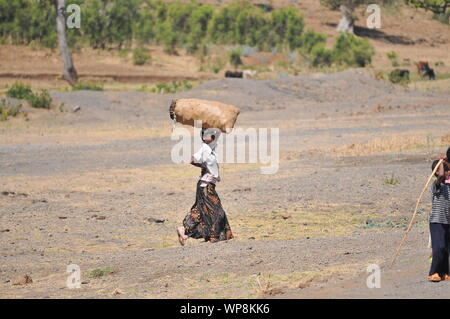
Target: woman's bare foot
181	236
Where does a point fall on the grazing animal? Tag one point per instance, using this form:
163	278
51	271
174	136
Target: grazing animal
403	73
424	70
399	76
248	74
234	74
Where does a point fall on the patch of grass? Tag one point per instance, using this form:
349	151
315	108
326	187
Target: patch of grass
41	100
385	145
271	284
19	90
296	222
370	224
283	65
100	272
392	181
392	56
87	86
123	53
213	64
265	284
6	111
141	56
168	87
379	75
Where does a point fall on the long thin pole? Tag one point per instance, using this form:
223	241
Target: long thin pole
415	212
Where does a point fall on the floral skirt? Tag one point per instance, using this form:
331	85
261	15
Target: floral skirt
207	219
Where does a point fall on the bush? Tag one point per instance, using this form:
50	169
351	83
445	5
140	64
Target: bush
351	51
40	100
19	91
312	47
23	91
310	39
100	272
87	86
288	25
397	77
140	56
321	56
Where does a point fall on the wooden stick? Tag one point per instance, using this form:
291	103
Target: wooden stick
415	212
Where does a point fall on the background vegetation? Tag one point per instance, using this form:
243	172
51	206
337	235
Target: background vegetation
194	27
111	24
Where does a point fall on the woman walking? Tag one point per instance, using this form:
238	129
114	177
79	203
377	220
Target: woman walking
207	219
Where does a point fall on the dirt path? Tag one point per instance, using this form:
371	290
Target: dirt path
86	188
320	267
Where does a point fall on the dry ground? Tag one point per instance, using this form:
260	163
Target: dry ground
85	188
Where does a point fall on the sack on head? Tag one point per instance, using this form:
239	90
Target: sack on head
212	114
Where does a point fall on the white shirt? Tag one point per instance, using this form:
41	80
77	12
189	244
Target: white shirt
208	156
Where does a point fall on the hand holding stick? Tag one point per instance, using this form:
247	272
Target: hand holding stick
415	210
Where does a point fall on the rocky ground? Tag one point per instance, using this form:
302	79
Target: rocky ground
97	188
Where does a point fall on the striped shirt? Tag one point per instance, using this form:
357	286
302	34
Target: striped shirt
440	203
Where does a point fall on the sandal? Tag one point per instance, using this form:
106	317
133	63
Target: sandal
434	277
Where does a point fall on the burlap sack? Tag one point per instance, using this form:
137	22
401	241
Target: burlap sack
212	114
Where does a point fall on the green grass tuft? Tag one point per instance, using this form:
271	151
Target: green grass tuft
100	272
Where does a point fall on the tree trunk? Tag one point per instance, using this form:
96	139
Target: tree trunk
347	21
70	74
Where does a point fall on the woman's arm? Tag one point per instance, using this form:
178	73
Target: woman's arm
193	162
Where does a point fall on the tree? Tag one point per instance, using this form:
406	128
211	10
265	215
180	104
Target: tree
69	74
436	6
347	8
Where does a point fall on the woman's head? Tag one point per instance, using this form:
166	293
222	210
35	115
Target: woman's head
446	170
209	135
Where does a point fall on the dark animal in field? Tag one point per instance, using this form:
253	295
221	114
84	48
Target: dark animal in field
403	73
264	6
424	70
399	76
234	74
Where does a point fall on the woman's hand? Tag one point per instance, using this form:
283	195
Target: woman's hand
193	162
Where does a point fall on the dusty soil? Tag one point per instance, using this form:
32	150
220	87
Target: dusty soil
86	187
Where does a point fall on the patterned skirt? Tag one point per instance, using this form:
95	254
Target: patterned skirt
207	219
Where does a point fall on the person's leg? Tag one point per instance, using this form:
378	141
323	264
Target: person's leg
438	239
182	237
